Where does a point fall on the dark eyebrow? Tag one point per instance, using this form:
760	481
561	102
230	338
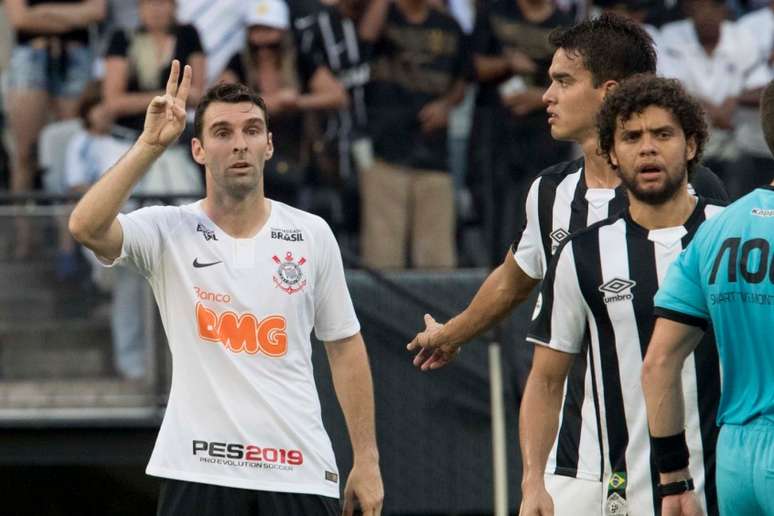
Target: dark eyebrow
250	122
663	128
558	76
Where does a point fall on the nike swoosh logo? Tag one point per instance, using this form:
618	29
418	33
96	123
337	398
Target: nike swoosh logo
199	265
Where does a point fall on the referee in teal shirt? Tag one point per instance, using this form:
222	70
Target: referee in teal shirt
725	277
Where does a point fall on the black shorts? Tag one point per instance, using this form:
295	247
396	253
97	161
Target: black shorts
182	498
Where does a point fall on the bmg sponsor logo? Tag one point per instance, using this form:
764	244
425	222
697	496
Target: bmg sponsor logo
246	455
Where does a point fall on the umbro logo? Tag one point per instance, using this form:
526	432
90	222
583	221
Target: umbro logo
615	287
199	265
207	233
558	236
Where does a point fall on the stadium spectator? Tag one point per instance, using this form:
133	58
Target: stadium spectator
329	35
90	152
719	64
136	65
597	297
51	63
512	55
246	378
269	65
719	281
418	70
755	166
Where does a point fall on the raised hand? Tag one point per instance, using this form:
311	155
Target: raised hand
434	350
165	117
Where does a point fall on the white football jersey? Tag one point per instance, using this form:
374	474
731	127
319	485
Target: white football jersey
243	408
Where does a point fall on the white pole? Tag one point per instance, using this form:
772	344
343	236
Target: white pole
499	453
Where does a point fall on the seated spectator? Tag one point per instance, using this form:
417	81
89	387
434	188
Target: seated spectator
90	153
50	65
717	63
418	70
268	65
136	67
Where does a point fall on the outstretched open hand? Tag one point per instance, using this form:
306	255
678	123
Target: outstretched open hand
165	117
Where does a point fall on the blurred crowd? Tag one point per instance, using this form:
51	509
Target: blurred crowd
414	127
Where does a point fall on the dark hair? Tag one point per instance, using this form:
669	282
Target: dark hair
767	115
639	92
612	47
90	97
231	93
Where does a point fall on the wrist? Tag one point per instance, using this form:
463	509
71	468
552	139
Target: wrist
368	456
144	146
675	488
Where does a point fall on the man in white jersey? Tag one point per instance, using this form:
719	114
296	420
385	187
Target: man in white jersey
240	281
600	285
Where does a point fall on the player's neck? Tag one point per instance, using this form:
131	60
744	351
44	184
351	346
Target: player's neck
596	169
674	212
238	218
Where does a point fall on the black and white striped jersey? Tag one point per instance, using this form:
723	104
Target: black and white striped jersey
559	203
597	302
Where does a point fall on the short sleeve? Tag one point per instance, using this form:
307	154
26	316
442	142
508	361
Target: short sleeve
145	231
118	45
334	313
528	247
190	42
559	321
681	296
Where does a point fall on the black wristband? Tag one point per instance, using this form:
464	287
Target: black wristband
671	452
674	488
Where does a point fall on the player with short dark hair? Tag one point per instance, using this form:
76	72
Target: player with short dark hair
726	278
241	281
601	284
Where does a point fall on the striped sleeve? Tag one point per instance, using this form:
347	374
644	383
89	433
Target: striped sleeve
528	248
559	321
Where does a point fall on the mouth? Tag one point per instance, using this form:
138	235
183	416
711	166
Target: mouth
552	117
650	171
240	166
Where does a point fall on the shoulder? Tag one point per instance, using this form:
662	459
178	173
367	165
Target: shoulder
303	220
590	234
187	30
555	174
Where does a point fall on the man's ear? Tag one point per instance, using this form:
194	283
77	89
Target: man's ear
269	148
608	86
613	158
197	150
690	148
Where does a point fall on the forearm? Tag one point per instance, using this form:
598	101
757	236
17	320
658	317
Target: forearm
331	99
491	68
354	389
32	21
662	385
99	207
538	425
76	15
372	22
505	288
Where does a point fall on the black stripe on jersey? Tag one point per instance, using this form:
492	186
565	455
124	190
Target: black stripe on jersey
546	198
588	259
708	387
579	210
568	442
641	254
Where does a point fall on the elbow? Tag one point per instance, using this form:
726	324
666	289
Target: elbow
77	228
340	99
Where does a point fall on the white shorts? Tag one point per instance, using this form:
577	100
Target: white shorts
577	496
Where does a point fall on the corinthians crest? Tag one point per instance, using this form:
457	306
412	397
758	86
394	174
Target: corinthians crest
289	276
